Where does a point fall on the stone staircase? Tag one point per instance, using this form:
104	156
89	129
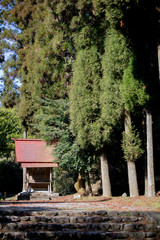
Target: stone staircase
37	195
76	225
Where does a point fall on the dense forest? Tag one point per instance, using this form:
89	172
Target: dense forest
84	74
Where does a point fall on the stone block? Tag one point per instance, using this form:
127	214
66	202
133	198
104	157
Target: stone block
130	219
11	227
23	226
54	227
35	218
101	212
80	219
137	235
15	235
113	213
150	234
120	235
149	228
25	218
60	220
105	226
15	219
63	213
129	227
114	227
116	219
72	219
91	214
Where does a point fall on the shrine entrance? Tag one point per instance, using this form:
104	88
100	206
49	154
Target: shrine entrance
36	159
39	179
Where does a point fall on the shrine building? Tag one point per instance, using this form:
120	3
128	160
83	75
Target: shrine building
36	159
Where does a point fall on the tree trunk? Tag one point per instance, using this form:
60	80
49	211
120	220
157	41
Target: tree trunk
54	180
106	185
145	155
150	161
132	175
146	178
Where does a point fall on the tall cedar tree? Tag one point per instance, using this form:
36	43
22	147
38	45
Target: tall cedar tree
85	85
118	52
85	109
142	33
44	57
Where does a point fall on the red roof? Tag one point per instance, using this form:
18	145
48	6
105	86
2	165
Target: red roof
34	153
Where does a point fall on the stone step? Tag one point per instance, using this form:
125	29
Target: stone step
37	196
25	212
67	219
110	227
100	213
15	224
77	235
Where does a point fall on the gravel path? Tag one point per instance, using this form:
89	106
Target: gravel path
68	203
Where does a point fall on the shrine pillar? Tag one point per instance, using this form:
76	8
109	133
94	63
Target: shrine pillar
24	179
24	169
51	178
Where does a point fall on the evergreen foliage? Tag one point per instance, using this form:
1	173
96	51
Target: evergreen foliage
84	98
9	94
43	47
133	94
53	125
131	145
53	120
133	91
9	128
121	91
118	99
115	60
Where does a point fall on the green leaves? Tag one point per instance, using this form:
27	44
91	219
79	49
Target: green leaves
114	62
53	119
53	125
9	128
84	97
120	90
116	10
131	145
45	60
133	91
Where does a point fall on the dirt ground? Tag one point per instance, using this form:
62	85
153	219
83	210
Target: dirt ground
140	203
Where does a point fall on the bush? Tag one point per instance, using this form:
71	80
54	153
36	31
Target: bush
10	177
